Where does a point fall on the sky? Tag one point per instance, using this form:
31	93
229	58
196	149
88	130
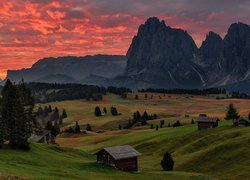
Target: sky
33	29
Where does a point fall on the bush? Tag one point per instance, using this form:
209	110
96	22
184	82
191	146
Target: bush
167	163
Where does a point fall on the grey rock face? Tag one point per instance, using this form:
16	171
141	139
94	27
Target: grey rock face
168	57
163	54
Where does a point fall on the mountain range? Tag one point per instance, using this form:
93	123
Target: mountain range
71	69
159	57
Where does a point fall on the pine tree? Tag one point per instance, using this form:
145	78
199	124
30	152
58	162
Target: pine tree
23	117
232	113
64	114
162	122
167	163
98	111
157	128
49	109
136	97
77	128
8	109
88	127
105	110
192	122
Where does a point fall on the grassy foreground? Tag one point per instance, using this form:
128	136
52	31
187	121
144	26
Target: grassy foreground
221	153
48	162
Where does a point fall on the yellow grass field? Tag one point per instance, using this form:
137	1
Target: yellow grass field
168	107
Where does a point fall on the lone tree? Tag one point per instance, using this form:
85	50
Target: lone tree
64	114
157	128
105	110
98	111
88	127
136	97
167	163
231	113
77	128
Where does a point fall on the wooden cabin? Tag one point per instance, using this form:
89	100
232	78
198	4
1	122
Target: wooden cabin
124	158
207	122
43	137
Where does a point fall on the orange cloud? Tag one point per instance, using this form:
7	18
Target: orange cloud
35	29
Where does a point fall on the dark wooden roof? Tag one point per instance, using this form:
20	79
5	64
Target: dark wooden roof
208	119
121	152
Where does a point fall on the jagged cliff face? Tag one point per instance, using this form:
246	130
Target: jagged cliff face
169	58
163	54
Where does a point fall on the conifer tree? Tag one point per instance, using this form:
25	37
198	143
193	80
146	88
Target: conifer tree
232	113
8	109
105	110
49	109
167	162
88	127
98	111
64	114
77	128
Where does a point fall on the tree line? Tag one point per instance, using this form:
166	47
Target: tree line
46	92
202	92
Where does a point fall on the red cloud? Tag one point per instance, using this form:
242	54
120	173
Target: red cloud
35	29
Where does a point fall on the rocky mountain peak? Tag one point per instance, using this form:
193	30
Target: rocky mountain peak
212	47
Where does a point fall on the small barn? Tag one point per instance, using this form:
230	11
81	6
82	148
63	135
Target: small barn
207	122
43	137
124	158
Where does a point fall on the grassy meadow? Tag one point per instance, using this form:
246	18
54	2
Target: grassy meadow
220	153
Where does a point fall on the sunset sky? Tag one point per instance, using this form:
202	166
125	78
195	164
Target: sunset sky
33	29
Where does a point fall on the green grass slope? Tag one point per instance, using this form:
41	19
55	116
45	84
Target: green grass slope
48	162
223	152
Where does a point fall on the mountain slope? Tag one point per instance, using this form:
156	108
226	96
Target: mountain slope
56	78
161	53
75	67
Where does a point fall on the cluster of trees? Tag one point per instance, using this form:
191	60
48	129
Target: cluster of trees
77	129
202	92
53	115
98	111
45	92
138	118
122	91
16	115
237	94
